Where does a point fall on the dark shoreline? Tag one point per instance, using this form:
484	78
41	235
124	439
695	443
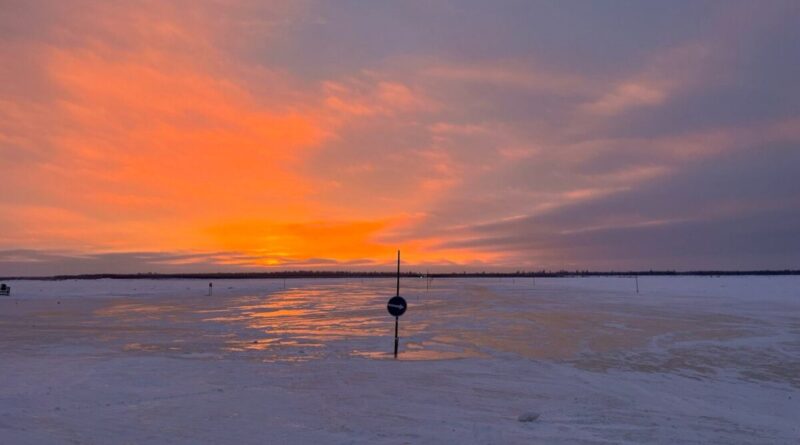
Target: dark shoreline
410	274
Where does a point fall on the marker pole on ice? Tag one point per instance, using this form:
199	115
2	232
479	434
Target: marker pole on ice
397	306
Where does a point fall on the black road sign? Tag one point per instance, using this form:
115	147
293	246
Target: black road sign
397	306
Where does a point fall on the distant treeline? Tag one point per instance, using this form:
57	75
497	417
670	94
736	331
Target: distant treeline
409	274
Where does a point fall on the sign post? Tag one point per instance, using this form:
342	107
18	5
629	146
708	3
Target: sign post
397	306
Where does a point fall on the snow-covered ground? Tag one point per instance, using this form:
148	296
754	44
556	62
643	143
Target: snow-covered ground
687	360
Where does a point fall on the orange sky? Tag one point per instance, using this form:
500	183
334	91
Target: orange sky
274	134
153	139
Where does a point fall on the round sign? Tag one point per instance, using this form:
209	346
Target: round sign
397	306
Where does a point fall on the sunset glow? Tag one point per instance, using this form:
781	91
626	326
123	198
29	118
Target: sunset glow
239	135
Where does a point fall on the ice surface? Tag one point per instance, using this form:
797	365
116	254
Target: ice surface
688	360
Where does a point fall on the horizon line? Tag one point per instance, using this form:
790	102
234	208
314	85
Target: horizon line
544	273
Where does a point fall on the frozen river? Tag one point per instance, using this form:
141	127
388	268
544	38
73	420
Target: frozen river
687	360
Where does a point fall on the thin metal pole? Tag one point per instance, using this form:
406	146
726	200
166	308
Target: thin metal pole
396	323
397	319
398	274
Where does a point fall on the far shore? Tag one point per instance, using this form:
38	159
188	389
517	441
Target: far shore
305	274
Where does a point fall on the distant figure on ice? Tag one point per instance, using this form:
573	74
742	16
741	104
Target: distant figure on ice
5	289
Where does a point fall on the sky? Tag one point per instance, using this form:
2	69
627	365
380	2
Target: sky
237	135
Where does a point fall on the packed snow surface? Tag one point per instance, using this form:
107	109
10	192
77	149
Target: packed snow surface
689	360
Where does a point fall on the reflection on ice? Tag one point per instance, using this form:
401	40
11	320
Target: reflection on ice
686	325
317	316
